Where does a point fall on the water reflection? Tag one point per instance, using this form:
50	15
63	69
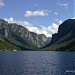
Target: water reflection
37	63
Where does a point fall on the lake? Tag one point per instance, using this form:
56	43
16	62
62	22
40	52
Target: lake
37	63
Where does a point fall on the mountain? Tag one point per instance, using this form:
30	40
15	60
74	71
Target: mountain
64	40
14	36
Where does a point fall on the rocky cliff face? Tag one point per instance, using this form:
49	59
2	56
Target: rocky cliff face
4	32
65	38
66	27
9	30
3	29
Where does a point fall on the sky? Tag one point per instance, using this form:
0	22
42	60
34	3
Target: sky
39	16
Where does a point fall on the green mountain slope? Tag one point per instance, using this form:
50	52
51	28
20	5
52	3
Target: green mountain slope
19	37
4	45
11	38
64	40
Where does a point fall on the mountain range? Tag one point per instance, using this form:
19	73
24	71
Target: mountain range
14	36
17	37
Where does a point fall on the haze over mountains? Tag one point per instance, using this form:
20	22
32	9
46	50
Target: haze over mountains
13	36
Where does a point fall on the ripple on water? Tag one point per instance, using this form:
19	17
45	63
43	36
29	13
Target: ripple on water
36	63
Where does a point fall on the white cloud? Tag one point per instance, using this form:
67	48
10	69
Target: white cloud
10	20
56	13
65	5
52	29
36	13
58	21
1	3
39	31
73	18
23	23
48	31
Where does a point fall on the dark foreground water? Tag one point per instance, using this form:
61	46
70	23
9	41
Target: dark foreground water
37	63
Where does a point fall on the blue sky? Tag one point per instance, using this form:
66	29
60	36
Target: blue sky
40	16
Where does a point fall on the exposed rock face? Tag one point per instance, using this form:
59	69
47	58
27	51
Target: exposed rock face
3	29
4	32
64	40
7	29
66	27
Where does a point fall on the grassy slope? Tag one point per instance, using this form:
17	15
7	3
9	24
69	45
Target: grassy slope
65	43
15	42
7	46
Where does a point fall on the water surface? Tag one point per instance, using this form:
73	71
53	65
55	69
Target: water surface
37	63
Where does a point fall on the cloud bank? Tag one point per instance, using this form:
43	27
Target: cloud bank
73	18
48	31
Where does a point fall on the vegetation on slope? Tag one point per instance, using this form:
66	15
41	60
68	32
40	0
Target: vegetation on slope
64	40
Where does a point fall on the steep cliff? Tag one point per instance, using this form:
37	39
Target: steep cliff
65	38
20	37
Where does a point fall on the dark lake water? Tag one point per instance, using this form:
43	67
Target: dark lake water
37	63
